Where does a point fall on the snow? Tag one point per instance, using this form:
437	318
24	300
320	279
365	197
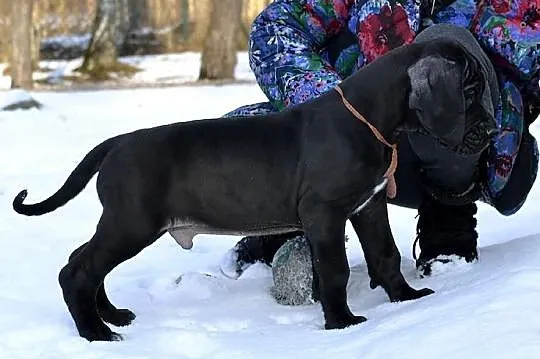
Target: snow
11	97
80	40
185	308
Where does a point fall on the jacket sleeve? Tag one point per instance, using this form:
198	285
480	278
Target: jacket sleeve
284	46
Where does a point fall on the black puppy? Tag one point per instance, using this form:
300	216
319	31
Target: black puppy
307	168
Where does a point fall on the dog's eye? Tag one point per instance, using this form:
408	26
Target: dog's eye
470	95
468	100
469	90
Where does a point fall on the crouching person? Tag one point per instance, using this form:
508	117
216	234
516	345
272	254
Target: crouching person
299	49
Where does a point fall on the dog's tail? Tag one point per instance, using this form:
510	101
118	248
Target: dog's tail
74	184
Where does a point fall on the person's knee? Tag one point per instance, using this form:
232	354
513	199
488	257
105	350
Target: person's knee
256	109
450	177
425	168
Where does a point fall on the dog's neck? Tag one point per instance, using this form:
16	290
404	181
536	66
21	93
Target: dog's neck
377	81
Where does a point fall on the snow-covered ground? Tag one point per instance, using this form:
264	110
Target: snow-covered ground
490	309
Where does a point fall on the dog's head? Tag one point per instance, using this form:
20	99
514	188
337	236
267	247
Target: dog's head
446	89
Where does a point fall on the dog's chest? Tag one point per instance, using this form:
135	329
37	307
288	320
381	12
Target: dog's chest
372	194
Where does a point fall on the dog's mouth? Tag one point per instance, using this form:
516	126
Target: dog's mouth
479	131
477	137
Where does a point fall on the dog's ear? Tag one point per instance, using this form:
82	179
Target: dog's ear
437	97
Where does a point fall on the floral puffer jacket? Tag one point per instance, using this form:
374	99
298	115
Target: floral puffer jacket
297	53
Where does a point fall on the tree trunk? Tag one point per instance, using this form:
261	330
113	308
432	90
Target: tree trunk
110	29
35	45
139	11
21	50
5	31
219	52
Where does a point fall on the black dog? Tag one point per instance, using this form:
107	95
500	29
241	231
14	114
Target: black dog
307	168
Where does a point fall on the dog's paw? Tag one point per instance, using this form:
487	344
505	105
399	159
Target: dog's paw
101	333
344	322
421	293
118	317
411	294
374	283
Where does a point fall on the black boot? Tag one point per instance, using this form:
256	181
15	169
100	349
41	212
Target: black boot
444	230
253	249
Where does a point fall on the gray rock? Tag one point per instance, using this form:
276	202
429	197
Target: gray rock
292	273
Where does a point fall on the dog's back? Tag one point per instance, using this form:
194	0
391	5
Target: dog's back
208	171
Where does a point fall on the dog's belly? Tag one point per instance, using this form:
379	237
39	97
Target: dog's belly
184	230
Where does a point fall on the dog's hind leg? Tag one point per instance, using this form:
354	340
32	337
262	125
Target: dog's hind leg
382	256
325	229
107	311
115	241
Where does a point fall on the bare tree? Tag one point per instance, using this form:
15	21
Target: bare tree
21	44
110	29
219	52
5	31
21	57
35	46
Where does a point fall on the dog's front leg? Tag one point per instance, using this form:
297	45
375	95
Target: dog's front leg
325	229
382	256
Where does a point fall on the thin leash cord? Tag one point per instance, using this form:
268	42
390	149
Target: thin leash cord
389	174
